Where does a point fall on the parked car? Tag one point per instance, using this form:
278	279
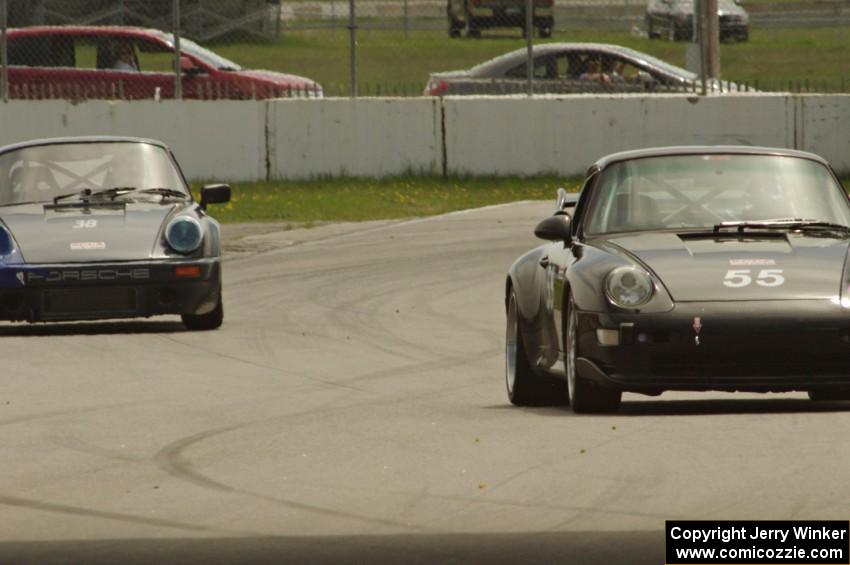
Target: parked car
686	268
105	227
81	62
674	19
472	16
563	68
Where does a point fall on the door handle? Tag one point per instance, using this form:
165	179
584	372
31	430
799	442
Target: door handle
544	261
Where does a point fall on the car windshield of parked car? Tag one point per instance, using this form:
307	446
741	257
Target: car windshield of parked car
701	191
41	173
201	53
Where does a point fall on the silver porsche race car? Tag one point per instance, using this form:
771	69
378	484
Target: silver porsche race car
105	227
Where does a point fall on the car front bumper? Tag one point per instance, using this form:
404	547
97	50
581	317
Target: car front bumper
747	346
89	291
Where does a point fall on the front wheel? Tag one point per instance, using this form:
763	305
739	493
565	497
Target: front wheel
209	321
585	396
524	386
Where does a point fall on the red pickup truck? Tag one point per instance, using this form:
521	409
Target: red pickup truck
119	62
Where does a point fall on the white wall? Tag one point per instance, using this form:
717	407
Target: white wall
823	127
492	135
299	138
224	140
363	137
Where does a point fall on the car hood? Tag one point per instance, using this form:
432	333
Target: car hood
451	74
697	267
277	79
59	235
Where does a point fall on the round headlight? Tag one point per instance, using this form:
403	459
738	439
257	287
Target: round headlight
628	287
6	243
183	234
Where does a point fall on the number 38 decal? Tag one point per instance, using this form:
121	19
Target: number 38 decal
737	278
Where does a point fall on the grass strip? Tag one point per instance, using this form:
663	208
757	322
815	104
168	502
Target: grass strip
357	199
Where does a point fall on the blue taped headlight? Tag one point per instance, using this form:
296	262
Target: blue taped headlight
6	243
184	234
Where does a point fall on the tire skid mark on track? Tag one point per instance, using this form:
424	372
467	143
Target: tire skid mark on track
58	413
375	332
413	368
276	370
106	515
171	459
67	441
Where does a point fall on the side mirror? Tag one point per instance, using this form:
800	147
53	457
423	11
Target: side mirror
555	228
215	194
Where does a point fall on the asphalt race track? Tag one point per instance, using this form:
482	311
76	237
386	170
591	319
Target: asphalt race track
352	409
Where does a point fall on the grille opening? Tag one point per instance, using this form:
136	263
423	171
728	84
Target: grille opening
167	296
13	303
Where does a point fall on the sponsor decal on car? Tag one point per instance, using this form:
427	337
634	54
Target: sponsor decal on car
751	262
87	245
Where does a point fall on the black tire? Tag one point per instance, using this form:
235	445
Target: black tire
209	321
473	32
523	385
827	395
585	396
544	32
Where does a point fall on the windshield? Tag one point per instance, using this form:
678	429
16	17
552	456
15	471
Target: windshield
701	191
202	53
43	172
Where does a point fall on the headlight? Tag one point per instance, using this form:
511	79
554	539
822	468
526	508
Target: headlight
7	244
184	234
628	287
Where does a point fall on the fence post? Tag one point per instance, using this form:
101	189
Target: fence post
178	70
352	46
529	37
4	52
406	22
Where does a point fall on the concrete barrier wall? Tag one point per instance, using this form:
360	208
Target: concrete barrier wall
374	137
565	135
212	140
363	137
823	127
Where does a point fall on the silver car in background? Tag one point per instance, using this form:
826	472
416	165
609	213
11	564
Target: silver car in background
571	68
674	19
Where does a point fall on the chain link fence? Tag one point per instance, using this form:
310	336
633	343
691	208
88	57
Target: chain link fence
255	49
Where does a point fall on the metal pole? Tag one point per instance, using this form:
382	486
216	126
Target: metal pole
178	68
699	26
352	46
529	40
4	52
406	22
712	31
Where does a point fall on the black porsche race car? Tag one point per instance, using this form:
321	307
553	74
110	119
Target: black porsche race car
686	268
105	227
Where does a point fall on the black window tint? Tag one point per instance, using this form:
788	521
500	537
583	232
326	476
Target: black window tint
44	51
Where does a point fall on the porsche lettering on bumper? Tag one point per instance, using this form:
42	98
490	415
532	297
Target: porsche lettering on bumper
83	275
